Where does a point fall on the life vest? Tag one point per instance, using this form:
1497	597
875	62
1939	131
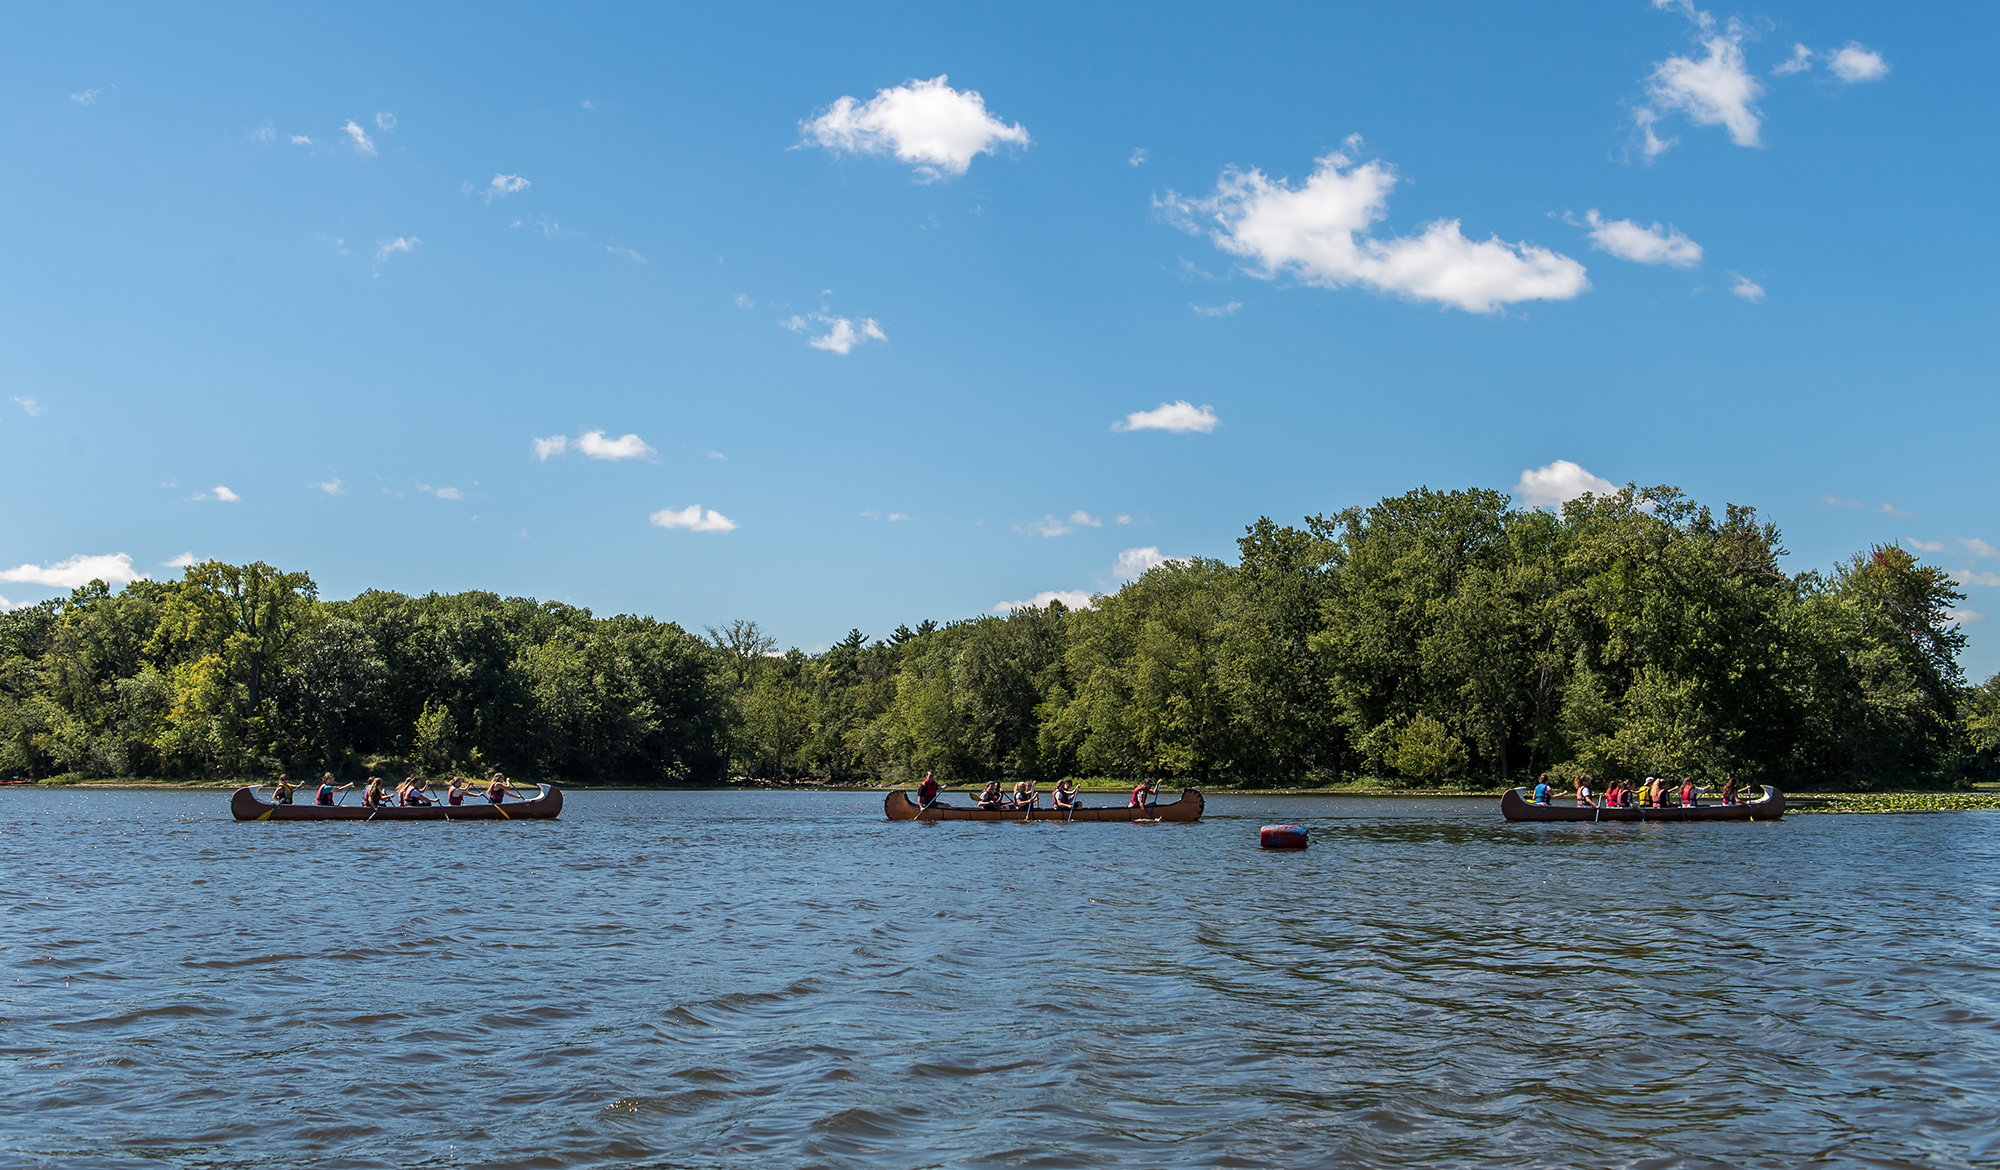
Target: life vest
326	794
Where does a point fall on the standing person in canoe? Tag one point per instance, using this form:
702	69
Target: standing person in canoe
989	797
1065	796
1026	795
927	793
326	789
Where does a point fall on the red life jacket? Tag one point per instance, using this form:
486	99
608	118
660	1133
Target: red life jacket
1138	797
927	792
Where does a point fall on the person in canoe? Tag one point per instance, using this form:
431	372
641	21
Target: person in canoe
498	789
1543	793
373	796
1690	795
281	792
1729	790
456	791
1065	796
927	793
1583	793
1145	796
1026	795
412	794
989	796
326	788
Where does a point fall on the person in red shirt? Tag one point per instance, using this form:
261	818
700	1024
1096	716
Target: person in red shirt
927	793
1145	795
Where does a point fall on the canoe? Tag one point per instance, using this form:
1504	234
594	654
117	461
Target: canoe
900	807
545	806
1515	806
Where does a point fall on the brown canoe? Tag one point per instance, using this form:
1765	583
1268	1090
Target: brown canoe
544	807
900	807
1768	807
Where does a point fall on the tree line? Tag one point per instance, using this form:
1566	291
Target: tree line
1433	635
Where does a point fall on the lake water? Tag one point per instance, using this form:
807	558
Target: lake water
786	979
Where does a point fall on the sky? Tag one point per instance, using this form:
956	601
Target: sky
845	320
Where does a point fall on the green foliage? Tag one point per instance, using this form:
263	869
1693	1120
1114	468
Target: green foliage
1431	635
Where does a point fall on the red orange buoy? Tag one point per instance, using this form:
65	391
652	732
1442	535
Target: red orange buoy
1281	837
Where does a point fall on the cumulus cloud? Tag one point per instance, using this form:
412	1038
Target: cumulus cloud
596	446
927	124
505	185
1228	310
694	519
385	121
1138	157
181	562
1050	526
1800	61
1319	232
1134	562
553	445
1628	240
332	487
1964	617
1556	484
1085	519
842	333
388	248
1743	286
79	570
1179	417
300	140
1857	62
1929	546
218	492
358	137
1978	547
1071	599
896	516
1962	576
1716	89
30	405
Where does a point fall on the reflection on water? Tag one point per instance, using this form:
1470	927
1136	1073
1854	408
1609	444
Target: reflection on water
716	979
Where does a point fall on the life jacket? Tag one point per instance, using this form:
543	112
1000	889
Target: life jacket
1138	797
326	794
455	795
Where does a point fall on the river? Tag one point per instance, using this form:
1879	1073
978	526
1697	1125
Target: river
681	979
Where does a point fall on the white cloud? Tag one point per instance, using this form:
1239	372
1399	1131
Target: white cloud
31	406
1858	63
110	568
1179	417
6	605
265	133
1717	90
218	492
743	301
925	123
1134	562
1644	245
1978	547
1929	546
388	248
1085	519
1801	60
1319	232
331	487
1962	576
1743	286
1047	526
718	456
358	137
1138	157
1228	310
1071	599
442	493
87	98
553	445
842	334
631	254
1964	617
1123	518
595	445
693	519
385	121
505	185
301	140
1558	483
181	562
895	516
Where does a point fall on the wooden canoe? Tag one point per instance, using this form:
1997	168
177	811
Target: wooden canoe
1515	806
545	806
900	807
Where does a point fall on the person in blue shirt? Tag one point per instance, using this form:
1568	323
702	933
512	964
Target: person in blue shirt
1542	791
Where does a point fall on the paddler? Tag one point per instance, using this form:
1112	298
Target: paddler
1065	796
326	788
1025	794
927	793
457	790
1145	796
989	797
497	790
281	792
373	796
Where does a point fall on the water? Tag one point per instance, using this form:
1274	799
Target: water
785	979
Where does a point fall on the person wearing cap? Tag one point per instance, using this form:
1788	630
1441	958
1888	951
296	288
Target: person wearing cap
927	793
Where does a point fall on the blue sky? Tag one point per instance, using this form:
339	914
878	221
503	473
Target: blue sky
361	265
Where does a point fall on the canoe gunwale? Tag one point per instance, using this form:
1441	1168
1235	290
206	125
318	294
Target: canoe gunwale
546	805
1515	806
898	806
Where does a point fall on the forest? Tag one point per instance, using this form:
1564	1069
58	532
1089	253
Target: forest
1434	636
